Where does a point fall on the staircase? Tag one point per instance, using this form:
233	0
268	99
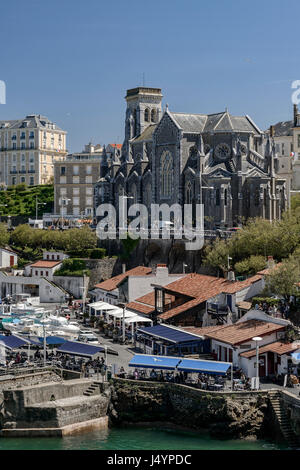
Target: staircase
92	389
285	426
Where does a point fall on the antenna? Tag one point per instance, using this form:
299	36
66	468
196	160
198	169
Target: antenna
143	78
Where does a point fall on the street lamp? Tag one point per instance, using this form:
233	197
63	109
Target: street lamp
37	204
184	266
64	201
257	339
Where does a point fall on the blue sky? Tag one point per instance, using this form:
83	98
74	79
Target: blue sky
73	61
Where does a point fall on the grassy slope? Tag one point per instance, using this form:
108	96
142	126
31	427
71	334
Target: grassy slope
21	199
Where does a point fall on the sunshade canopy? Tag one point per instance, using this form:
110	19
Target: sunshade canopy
154	362
207	367
53	340
172	363
75	348
168	333
15	342
138	319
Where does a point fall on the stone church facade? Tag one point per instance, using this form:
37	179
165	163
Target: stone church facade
221	160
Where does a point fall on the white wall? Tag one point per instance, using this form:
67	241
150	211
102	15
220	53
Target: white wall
5	258
141	285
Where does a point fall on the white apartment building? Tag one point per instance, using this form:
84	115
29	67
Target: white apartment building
27	150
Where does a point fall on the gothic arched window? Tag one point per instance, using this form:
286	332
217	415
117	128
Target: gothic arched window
133	193
146	115
166	167
147	195
225	197
189	193
153	115
218	198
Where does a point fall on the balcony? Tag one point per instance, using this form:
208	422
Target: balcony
31	171
22	172
13	172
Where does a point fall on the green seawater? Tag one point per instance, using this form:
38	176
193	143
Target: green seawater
135	438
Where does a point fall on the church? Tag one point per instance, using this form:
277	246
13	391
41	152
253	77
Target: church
223	161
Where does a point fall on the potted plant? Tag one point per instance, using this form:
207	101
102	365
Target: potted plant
101	325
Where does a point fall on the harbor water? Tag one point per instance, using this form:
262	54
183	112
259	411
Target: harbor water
136	438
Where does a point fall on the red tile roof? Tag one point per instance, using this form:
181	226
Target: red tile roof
201	331
200	288
111	284
269	270
141	308
45	264
277	347
119	146
244	331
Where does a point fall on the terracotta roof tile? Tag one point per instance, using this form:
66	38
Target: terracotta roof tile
201	331
277	347
200	288
244	331
111	284
141	308
45	264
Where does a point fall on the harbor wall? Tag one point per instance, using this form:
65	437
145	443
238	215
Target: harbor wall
53	405
230	414
25	380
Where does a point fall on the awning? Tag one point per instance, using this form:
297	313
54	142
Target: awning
52	340
95	304
207	367
14	342
171	334
154	362
119	313
76	348
137	319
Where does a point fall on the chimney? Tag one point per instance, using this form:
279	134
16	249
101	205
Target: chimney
123	268
270	262
272	131
295	114
231	276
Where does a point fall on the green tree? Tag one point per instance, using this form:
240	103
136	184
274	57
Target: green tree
216	255
283	279
79	240
4	235
128	245
250	265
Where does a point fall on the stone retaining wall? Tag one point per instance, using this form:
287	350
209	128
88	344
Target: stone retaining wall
53	405
27	380
234	414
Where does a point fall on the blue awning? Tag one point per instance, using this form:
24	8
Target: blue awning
52	340
154	362
79	349
168	333
14	342
207	367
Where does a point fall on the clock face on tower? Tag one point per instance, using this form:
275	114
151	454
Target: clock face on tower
223	152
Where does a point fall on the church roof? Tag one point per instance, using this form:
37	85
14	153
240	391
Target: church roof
219	122
147	134
190	122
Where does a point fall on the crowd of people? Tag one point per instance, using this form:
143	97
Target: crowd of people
280	310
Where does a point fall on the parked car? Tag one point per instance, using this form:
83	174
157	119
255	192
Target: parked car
88	338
